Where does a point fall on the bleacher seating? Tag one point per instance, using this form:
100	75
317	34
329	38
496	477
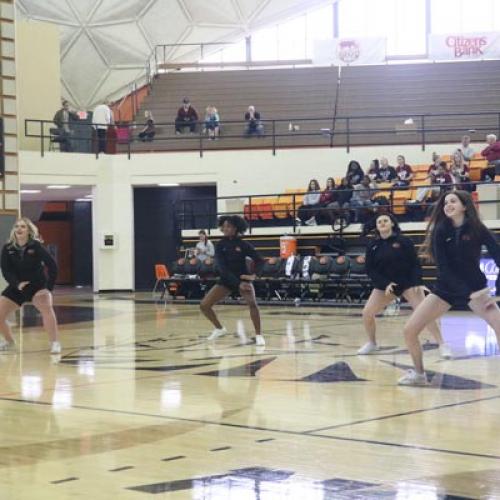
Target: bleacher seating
412	89
277	93
294	94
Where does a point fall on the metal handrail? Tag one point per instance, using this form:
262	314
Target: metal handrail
270	129
293	209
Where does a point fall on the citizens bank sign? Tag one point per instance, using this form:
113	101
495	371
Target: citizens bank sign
464	46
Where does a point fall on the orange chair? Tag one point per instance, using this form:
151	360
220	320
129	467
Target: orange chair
162	275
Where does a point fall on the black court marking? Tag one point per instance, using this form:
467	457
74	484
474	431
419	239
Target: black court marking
248	370
119	469
279	431
171	459
222	448
338	372
67	480
266	440
445	381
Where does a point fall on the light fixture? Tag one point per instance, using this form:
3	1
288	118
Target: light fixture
83	199
89	196
58	186
169	184
30	191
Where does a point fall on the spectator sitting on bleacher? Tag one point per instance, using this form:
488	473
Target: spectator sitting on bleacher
443	178
63	119
340	207
186	117
439	175
492	155
204	248
212	122
433	167
354	173
254	125
328	196
460	171
310	205
373	171
386	173
362	196
148	132
404	173
466	148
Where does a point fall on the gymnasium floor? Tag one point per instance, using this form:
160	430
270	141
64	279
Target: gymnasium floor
140	406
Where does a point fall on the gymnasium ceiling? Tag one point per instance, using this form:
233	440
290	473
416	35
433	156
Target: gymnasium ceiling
105	43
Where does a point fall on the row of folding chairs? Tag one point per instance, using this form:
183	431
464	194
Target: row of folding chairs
342	278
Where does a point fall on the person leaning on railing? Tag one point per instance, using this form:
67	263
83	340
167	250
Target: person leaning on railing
62	120
102	118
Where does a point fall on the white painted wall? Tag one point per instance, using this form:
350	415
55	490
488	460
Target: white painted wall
236	173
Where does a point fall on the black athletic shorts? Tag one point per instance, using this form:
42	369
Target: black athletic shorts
400	289
455	300
24	295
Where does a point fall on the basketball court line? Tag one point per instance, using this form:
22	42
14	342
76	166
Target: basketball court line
281	431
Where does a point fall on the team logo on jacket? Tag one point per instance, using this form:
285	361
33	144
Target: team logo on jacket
466	237
237	249
396	245
30	251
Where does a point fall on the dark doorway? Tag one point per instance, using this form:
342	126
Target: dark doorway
157	232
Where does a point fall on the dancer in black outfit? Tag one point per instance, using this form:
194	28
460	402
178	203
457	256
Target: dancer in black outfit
23	262
454	239
231	254
393	267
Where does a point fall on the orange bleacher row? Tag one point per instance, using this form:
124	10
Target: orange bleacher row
282	206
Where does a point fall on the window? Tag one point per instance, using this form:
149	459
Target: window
265	44
465	16
292	39
401	22
319	26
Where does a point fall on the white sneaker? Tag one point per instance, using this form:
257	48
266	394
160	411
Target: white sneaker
7	346
216	333
445	351
311	222
368	348
55	348
413	378
259	340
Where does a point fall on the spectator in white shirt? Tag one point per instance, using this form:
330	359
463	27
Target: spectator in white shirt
204	248
102	118
465	147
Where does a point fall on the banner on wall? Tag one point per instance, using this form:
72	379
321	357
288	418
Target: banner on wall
347	51
464	46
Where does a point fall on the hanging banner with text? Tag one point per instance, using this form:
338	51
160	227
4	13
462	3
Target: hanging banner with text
346	51
464	47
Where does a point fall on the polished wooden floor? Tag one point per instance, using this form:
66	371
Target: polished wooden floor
139	405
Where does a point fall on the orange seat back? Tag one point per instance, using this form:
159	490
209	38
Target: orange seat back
161	272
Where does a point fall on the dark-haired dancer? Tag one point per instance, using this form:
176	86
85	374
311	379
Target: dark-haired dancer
393	267
454	239
231	254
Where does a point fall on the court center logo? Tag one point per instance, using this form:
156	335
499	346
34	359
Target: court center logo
348	51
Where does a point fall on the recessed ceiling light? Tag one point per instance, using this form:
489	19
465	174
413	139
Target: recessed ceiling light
168	184
83	199
58	186
30	191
